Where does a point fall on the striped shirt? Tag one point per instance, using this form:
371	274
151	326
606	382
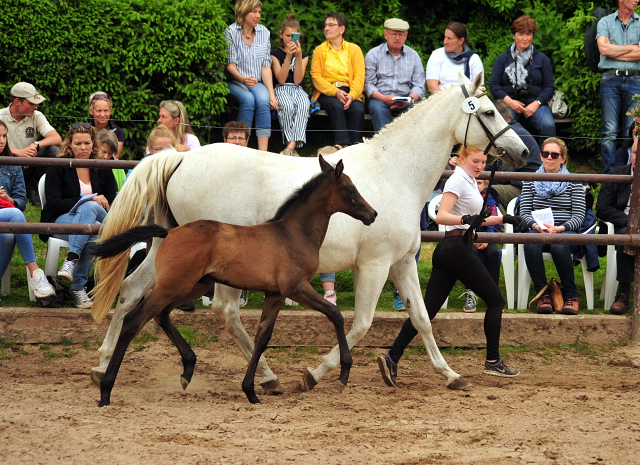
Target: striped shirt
391	75
249	59
568	208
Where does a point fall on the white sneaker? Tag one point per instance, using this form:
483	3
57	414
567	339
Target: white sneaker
81	299
40	285
330	296
66	270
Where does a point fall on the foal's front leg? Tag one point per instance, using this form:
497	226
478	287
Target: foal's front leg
272	305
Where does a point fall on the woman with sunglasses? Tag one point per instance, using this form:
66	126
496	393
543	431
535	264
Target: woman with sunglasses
173	115
567	203
64	187
100	110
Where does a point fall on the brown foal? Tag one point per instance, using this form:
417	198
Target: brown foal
279	257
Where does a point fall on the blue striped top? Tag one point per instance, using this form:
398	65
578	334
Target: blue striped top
249	58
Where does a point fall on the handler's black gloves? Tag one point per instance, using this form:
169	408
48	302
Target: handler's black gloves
516	221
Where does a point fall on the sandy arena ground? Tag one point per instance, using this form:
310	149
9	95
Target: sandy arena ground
568	406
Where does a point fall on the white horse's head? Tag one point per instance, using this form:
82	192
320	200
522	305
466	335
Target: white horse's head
486	129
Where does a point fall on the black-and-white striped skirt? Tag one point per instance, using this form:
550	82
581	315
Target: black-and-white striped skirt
293	113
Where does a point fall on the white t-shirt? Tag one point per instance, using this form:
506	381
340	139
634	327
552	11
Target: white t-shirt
469	199
445	71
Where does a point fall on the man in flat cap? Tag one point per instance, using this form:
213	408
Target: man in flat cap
24	124
394	78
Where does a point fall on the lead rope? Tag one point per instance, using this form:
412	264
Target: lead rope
471	234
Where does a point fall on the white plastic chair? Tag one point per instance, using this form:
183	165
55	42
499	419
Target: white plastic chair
507	255
609	283
524	278
53	244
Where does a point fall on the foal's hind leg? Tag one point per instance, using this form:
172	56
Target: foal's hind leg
226	308
272	305
133	289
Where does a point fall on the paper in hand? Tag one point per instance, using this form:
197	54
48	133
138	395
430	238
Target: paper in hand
542	217
82	200
401	99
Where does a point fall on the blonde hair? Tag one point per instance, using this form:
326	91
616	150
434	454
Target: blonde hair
244	7
176	110
563	147
161	131
65	147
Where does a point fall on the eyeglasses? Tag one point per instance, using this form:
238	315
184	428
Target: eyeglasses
553	155
77	126
100	96
234	138
331	25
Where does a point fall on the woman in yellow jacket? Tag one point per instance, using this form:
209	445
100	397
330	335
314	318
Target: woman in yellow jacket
337	73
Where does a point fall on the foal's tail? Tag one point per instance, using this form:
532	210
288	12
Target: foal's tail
123	242
145	188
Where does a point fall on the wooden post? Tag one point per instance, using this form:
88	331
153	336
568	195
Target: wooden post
633	227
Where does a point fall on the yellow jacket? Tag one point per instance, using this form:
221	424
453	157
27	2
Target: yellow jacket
356	72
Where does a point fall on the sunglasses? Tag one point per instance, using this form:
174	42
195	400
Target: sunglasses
553	155
80	125
100	96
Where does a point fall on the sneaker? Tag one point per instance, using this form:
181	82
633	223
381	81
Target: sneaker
243	298
81	299
330	296
620	305
40	285
499	369
388	370
570	307
469	301
398	304
188	307
544	305
66	270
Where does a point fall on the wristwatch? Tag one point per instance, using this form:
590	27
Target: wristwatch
539	102
37	145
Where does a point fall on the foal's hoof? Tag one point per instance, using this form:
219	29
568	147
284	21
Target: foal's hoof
341	386
96	377
308	381
272	388
184	382
459	384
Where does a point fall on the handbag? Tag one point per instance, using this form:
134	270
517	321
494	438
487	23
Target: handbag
558	107
555	289
57	300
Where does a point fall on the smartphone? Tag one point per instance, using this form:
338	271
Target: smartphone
295	37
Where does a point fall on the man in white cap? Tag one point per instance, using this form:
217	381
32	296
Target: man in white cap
394	78
24	124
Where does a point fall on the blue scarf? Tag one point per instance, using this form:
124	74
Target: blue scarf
547	189
463	58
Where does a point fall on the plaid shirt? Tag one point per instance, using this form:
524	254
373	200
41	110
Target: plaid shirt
392	75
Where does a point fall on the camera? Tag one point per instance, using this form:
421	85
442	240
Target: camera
522	93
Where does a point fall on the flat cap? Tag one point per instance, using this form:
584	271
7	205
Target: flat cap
396	24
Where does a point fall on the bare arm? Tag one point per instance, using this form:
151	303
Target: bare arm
249	81
432	85
50	138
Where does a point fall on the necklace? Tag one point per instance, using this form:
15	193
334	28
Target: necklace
249	37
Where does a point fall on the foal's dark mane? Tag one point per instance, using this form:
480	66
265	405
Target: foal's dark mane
301	194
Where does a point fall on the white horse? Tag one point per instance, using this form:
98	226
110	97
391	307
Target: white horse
395	171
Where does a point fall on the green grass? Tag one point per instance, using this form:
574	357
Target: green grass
344	282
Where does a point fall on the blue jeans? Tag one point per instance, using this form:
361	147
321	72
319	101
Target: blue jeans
254	100
541	121
562	258
88	213
381	114
328	277
616	98
8	241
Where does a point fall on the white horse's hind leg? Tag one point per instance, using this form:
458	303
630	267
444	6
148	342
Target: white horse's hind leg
405	277
226	308
369	285
134	287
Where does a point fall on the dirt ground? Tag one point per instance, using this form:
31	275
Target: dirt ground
569	406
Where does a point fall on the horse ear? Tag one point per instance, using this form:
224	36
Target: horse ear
325	166
477	82
462	79
339	169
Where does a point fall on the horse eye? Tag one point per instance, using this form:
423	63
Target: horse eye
351	190
489	113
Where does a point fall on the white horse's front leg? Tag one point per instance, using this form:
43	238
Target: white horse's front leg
369	285
134	287
405	277
226	308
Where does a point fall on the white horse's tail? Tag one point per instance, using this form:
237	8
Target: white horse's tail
145	188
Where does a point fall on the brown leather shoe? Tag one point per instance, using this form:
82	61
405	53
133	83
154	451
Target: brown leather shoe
570	307
544	304
620	305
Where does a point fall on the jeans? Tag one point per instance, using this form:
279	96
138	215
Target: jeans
252	100
616	98
381	114
563	260
453	260
541	121
328	277
8	241
346	125
88	213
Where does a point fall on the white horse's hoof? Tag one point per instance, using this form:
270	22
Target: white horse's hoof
308	381
96	377
459	384
273	387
